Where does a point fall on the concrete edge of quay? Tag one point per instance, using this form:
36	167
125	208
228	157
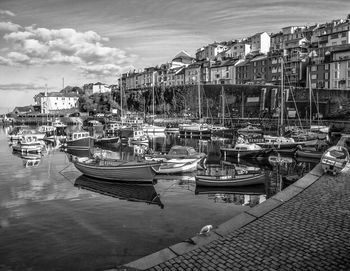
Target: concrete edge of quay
227	227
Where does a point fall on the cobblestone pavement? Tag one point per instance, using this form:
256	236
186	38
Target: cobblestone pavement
309	232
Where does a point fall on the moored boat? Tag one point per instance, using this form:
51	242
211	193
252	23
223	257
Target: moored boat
244	150
174	166
230	180
334	159
121	170
79	141
29	143
181	153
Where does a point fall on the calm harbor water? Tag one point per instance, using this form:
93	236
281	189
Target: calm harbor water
52	218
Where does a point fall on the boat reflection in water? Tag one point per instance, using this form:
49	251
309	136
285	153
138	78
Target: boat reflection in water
245	195
124	191
29	159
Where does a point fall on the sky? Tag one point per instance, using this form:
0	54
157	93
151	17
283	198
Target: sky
48	44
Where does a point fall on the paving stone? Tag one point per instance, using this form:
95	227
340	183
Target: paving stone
295	231
264	207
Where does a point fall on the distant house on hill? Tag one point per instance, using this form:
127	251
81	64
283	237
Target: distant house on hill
55	101
21	110
98	87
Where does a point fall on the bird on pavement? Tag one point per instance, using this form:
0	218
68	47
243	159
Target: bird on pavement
206	229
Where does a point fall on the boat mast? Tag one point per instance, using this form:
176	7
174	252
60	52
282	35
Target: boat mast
310	96
153	78
223	106
199	93
121	100
282	96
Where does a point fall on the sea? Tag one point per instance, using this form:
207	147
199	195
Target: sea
53	218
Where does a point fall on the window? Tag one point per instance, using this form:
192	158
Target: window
326	67
313	68
343	34
314	76
334	36
326	76
348	73
349	64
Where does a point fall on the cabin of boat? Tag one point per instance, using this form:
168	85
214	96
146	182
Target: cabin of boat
79	141
29	143
247	150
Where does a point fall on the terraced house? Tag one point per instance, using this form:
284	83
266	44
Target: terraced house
316	56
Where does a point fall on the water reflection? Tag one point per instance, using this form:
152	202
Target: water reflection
124	191
29	159
245	195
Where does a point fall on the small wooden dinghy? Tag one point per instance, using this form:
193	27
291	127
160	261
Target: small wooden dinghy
230	181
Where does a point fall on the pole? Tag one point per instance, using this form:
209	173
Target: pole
199	93
282	93
242	108
310	94
121	100
153	79
223	105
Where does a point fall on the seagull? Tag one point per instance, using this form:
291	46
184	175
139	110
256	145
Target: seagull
206	229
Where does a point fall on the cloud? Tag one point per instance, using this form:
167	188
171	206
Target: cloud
105	70
19	87
6	13
9	27
5	61
86	50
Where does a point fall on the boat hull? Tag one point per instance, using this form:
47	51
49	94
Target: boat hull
309	154
230	152
118	170
80	144
229	181
178	167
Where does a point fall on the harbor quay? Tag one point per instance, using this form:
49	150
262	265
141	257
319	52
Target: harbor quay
304	227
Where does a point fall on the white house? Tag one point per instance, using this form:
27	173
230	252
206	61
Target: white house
100	88
260	43
56	101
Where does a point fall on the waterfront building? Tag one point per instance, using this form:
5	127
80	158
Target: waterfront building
222	72
210	51
260	43
192	74
55	101
22	110
244	73
98	87
340	69
261	71
238	50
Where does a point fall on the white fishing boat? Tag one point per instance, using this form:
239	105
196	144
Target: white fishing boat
334	159
244	150
175	166
29	143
